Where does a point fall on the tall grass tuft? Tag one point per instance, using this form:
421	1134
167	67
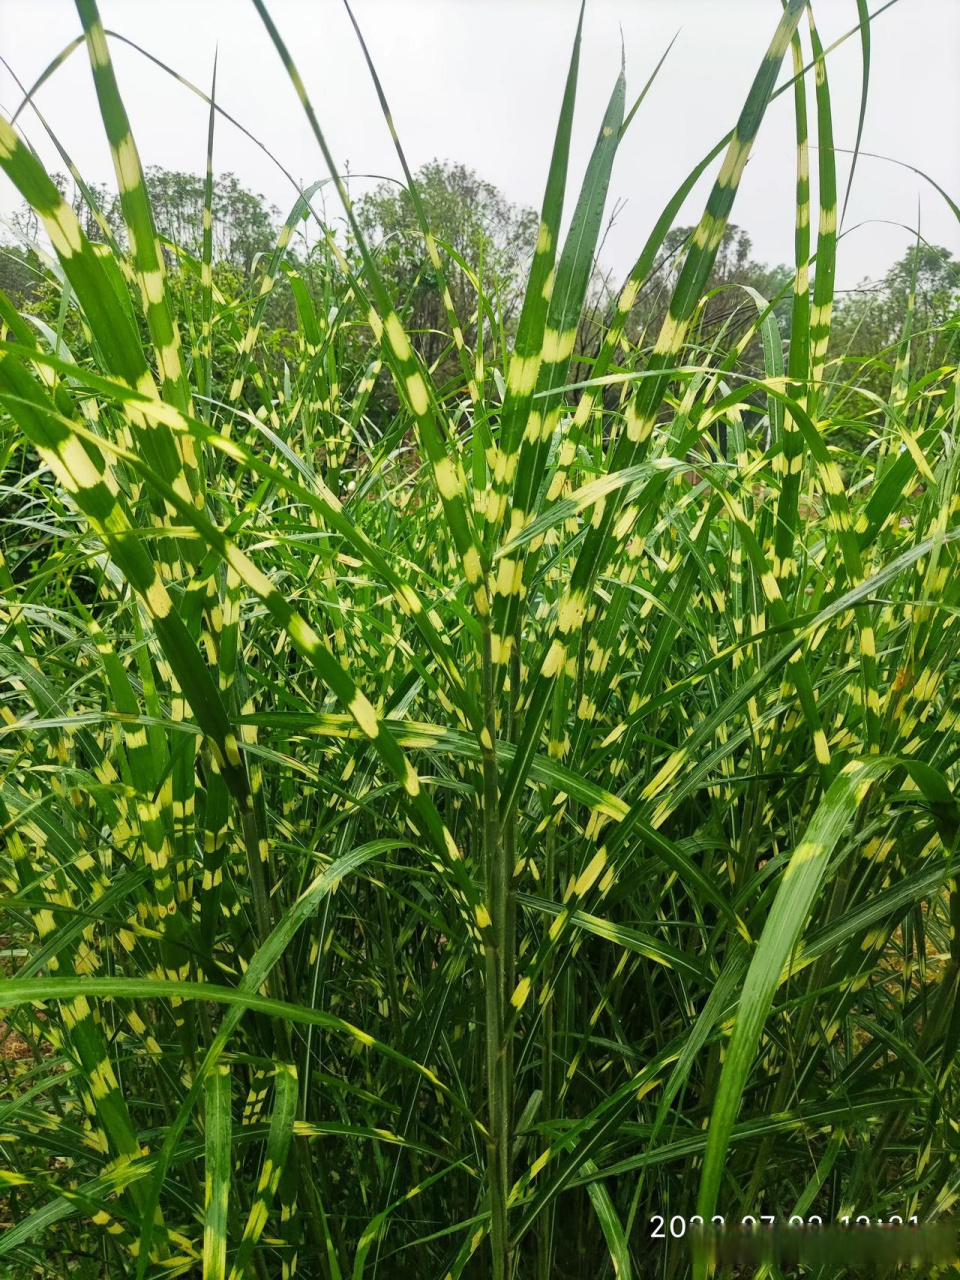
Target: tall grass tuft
437	842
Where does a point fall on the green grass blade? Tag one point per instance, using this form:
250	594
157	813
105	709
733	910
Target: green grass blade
217	1160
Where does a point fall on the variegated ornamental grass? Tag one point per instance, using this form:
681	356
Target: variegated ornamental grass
434	845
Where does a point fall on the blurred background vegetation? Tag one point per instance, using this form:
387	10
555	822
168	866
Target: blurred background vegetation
479	225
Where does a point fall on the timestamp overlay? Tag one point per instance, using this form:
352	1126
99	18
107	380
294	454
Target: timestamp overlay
854	1239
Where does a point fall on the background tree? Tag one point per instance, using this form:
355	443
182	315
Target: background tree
869	320
469	216
728	305
243	223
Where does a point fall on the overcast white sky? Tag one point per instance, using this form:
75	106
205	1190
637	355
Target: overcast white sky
479	81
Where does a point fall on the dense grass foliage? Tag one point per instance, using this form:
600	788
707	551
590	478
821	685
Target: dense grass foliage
437	841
